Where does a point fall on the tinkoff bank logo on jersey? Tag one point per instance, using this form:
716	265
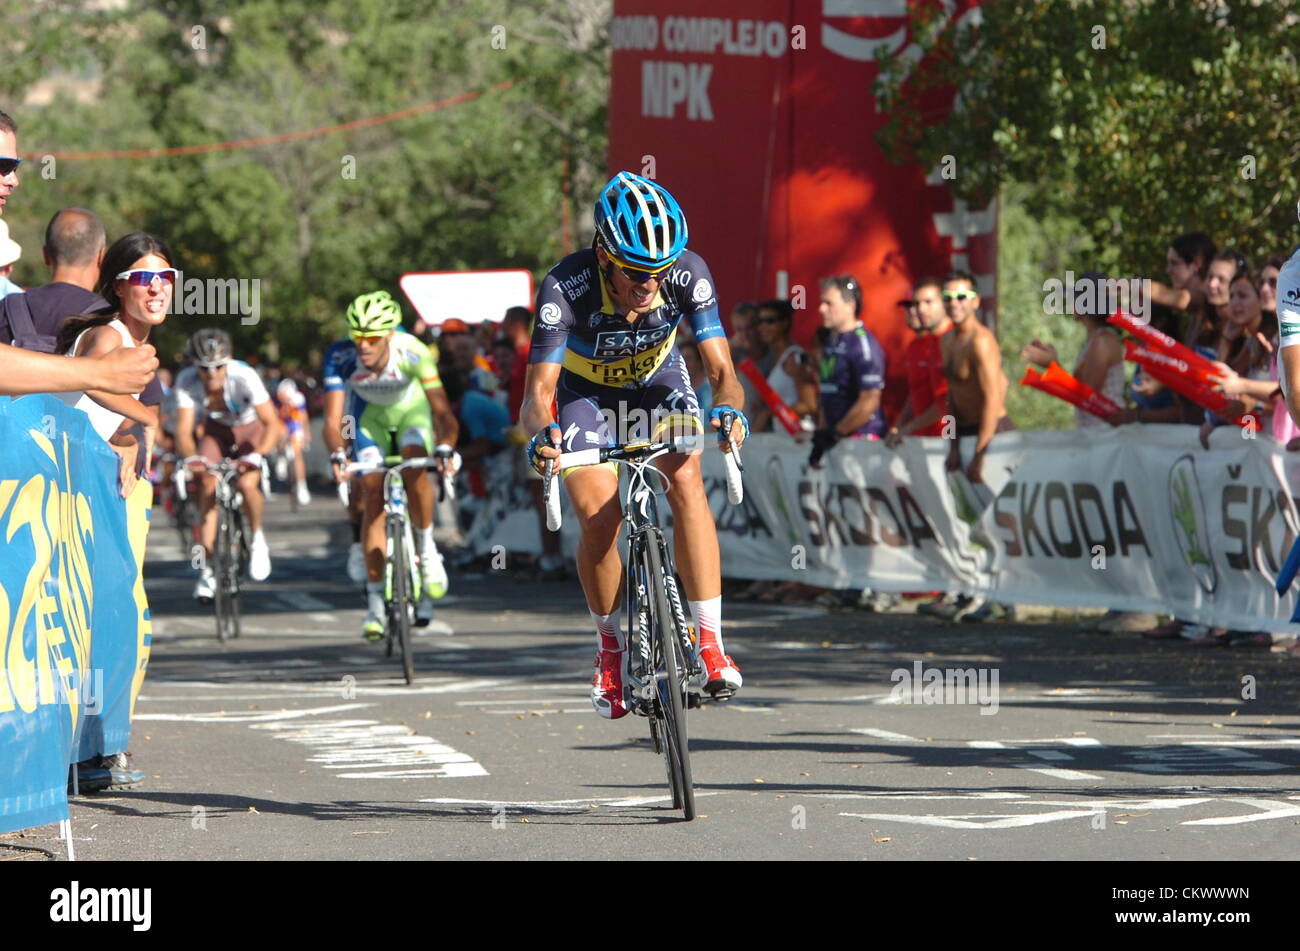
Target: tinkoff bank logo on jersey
1187	508
623	343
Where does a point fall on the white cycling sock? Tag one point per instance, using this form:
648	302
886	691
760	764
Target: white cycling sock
375	598
609	634
426	538
708	622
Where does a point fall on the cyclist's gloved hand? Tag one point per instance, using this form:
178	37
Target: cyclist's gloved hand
548	436
822	441
338	462
449	455
716	415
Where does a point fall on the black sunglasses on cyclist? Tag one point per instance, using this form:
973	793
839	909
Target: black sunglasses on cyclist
210	367
9	165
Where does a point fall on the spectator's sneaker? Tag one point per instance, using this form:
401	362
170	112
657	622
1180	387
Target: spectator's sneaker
304	495
721	675
877	601
372	628
357	563
938	608
990	611
434	573
952	610
608	686
205	589
550	568
104	772
259	558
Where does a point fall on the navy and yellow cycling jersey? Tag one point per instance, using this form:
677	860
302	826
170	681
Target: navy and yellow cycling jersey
577	325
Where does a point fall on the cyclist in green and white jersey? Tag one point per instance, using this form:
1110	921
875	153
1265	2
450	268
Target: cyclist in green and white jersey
386	380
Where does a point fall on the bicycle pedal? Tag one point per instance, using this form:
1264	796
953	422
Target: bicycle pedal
721	694
693	700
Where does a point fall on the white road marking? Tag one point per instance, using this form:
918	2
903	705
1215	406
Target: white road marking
996	821
375	748
1054	755
302	601
884	734
247	716
1271	810
559	805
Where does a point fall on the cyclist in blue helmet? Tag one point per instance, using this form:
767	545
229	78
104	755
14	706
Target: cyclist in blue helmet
603	350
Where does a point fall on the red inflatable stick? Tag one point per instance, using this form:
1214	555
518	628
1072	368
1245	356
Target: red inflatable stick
1064	386
1192	362
780	410
1173	372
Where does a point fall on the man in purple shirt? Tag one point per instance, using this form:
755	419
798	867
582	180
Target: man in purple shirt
852	369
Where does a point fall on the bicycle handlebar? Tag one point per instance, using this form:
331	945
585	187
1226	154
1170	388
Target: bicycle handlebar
631	453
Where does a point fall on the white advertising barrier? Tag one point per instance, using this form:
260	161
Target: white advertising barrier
1138	518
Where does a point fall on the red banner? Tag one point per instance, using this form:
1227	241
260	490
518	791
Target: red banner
759	116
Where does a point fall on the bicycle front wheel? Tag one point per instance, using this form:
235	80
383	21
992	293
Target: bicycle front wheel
402	604
236	565
670	681
223	557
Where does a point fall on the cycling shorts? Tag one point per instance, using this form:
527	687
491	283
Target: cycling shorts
220	441
593	415
410	417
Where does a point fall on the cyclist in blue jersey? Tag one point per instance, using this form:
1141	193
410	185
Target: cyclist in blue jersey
603	349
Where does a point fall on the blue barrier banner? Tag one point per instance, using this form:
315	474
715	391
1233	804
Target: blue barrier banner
64	540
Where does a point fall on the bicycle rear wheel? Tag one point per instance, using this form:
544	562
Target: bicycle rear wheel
401	606
670	689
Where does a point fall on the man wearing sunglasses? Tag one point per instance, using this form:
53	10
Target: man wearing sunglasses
389	381
603	349
9	160
223	411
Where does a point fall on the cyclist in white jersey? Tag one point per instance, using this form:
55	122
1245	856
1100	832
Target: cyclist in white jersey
223	411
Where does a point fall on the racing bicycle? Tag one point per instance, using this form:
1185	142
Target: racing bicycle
663	664
401	563
230	551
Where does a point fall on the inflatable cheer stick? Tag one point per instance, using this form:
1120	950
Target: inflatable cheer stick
1194	364
1090	402
1165	369
780	410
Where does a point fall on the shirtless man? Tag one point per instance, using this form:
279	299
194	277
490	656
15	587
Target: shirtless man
972	362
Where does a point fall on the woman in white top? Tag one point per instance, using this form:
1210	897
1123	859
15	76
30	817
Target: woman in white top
789	376
1100	364
136	279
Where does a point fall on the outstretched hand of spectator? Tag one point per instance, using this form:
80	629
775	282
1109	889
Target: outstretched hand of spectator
1039	353
1147	386
125	370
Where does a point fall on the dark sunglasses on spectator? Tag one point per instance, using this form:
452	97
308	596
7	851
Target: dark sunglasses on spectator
959	295
769	320
907	303
144	277
1270	281
9	166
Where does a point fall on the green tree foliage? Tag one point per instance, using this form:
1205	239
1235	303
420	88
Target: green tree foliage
479	184
1140	119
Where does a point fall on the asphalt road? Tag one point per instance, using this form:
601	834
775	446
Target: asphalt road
300	740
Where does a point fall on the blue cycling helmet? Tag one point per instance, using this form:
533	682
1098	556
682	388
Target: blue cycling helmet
639	223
